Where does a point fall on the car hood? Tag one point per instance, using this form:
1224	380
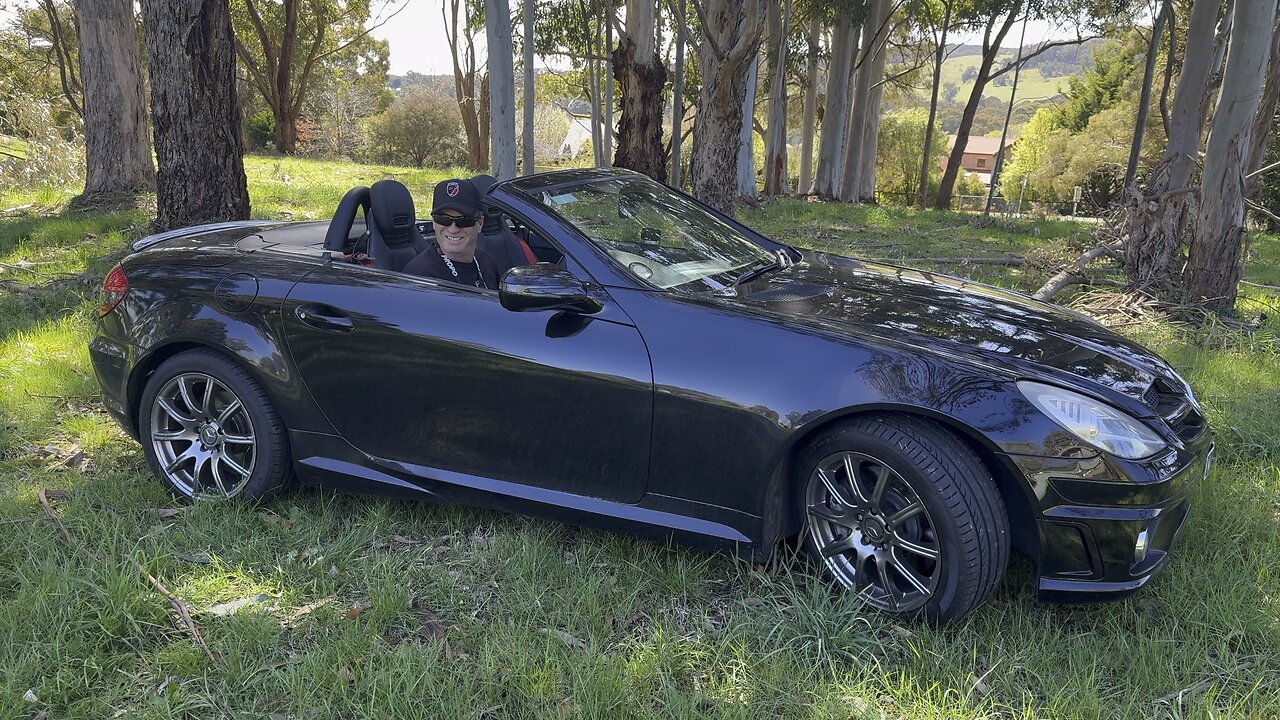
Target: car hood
960	319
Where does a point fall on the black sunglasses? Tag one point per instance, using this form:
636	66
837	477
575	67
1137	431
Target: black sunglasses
447	220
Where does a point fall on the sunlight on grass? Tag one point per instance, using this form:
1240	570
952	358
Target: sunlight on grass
375	607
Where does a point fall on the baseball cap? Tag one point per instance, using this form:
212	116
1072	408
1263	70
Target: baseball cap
457	194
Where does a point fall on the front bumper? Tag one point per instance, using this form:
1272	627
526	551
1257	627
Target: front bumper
1106	526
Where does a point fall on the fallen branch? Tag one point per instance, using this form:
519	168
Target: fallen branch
178	604
1260	285
1012	261
1073	274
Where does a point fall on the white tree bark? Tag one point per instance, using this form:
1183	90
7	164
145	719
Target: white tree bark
874	34
746	149
1213	265
502	89
871	138
117	143
835	111
805	186
677	99
775	153
610	126
529	77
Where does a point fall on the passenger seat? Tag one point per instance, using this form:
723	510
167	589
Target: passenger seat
394	239
496	238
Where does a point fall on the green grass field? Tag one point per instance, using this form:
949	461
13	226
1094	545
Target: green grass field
334	606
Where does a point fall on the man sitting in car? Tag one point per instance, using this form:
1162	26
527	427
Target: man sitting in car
456	215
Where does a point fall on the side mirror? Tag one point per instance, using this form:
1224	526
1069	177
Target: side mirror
545	287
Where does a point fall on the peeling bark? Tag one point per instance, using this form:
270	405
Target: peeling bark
641	76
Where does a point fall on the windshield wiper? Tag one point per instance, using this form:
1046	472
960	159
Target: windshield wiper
780	261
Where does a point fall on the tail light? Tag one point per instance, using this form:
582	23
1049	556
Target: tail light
114	288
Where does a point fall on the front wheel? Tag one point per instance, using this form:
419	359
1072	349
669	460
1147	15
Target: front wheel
902	511
209	431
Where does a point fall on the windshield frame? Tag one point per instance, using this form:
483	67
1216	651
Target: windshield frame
527	190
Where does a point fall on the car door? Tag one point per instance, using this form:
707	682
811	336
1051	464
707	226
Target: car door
441	376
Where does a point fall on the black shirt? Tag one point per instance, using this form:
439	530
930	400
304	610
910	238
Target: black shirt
432	263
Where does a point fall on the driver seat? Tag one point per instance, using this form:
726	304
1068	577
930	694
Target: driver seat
394	239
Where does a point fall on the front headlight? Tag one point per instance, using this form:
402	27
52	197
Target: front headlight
1094	422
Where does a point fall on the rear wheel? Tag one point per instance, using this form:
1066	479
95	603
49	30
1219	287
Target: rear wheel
209	431
903	512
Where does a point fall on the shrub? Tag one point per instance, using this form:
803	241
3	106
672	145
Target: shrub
419	127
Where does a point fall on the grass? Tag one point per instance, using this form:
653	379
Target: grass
331	606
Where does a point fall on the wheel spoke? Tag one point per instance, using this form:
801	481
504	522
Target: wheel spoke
915	548
184	391
207	402
237	467
238	439
851	471
910	575
172	412
837	492
217	477
820	510
173	435
839	546
904	514
228	411
882	482
175	463
202	459
895	594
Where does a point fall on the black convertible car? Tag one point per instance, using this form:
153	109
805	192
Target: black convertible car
650	365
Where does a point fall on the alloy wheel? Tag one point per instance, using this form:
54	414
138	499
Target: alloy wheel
873	531
203	436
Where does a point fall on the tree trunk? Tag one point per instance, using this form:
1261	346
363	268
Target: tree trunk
117	147
502	89
746	146
922	197
871	138
1144	101
731	37
805	185
775	152
1157	220
472	110
641	75
527	166
835	110
195	112
286	138
606	13
483	117
1264	118
1213	266
990	48
874	33
677	99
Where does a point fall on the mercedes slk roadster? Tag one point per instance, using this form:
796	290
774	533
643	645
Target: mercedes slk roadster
648	365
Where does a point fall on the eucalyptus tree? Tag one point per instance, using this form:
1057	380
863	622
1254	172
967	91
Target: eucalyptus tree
283	43
527	162
809	117
939	27
117	143
1214	268
195	112
775	147
875	33
835	109
731	34
463	19
1158	218
502	89
641	77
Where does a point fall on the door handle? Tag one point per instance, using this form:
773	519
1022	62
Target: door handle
322	317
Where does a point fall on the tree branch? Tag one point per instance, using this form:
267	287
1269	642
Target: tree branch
1079	40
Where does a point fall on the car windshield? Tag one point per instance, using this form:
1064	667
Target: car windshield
657	235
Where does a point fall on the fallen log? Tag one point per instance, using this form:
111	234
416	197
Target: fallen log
1073	274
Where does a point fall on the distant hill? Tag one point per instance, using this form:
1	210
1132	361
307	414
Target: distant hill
435	83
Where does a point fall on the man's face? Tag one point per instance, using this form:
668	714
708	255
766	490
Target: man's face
459	243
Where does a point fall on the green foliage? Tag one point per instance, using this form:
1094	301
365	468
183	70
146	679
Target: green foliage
1100	87
418	127
261	127
38	152
29	65
898	158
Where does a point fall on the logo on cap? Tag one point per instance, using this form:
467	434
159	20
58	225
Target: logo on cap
452	189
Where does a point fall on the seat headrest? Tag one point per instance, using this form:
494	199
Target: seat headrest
392	209
340	227
484	182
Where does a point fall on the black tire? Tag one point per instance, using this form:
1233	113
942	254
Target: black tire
209	430
920	491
